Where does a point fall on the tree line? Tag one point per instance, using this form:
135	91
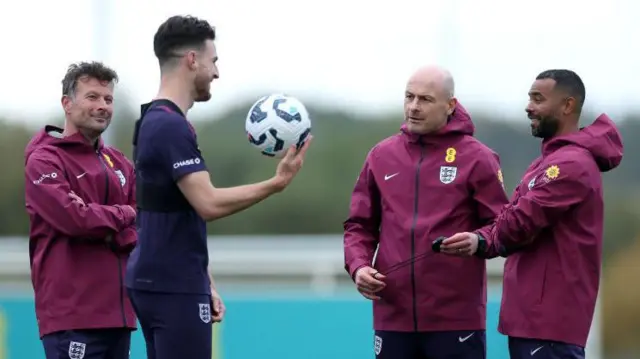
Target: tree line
317	201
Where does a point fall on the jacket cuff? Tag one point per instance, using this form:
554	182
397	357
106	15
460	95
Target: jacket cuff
353	268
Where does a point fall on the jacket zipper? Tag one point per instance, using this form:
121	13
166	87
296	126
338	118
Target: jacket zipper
413	238
106	201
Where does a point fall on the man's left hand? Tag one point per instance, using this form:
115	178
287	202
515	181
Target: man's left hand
462	244
76	198
218	306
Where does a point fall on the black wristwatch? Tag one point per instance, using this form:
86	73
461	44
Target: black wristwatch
482	246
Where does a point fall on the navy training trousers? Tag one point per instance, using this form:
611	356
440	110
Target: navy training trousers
457	344
88	344
175	326
521	348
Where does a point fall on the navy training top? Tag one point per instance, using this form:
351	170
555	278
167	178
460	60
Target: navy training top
171	255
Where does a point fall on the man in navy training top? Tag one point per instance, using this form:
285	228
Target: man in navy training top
415	186
80	196
167	276
551	233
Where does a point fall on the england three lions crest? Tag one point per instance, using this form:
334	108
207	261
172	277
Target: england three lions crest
121	177
205	312
448	174
76	350
377	345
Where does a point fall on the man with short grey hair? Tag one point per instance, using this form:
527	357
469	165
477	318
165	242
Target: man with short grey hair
80	197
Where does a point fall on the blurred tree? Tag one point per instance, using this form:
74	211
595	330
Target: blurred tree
13	138
317	201
621	303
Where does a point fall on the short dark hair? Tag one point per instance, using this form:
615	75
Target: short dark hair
179	32
94	69
567	81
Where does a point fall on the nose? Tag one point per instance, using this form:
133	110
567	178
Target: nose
413	105
529	109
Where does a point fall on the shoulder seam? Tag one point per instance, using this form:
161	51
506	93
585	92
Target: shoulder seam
44	150
50	154
480	144
166	110
374	150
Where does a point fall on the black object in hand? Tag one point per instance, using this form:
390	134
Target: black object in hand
435	246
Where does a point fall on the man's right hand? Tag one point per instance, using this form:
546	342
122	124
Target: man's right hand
291	164
462	244
75	198
369	281
129	212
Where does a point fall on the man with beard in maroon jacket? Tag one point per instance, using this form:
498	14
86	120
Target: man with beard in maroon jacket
423	183
80	197
551	233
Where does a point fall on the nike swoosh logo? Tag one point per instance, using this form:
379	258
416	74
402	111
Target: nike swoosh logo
534	351
388	177
462	340
81	175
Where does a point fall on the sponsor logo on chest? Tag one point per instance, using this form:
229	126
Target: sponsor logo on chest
449	172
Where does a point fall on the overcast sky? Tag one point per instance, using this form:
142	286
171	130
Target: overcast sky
348	54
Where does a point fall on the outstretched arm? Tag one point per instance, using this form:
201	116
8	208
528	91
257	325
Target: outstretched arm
183	159
562	186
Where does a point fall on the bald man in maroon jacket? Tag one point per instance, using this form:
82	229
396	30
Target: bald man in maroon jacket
425	182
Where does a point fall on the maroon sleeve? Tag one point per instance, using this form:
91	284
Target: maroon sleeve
562	185
361	229
125	241
488	188
489	194
47	195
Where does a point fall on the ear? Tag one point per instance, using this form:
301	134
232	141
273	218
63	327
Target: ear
451	105
66	103
192	60
569	106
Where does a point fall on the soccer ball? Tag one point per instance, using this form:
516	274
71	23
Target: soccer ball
275	123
